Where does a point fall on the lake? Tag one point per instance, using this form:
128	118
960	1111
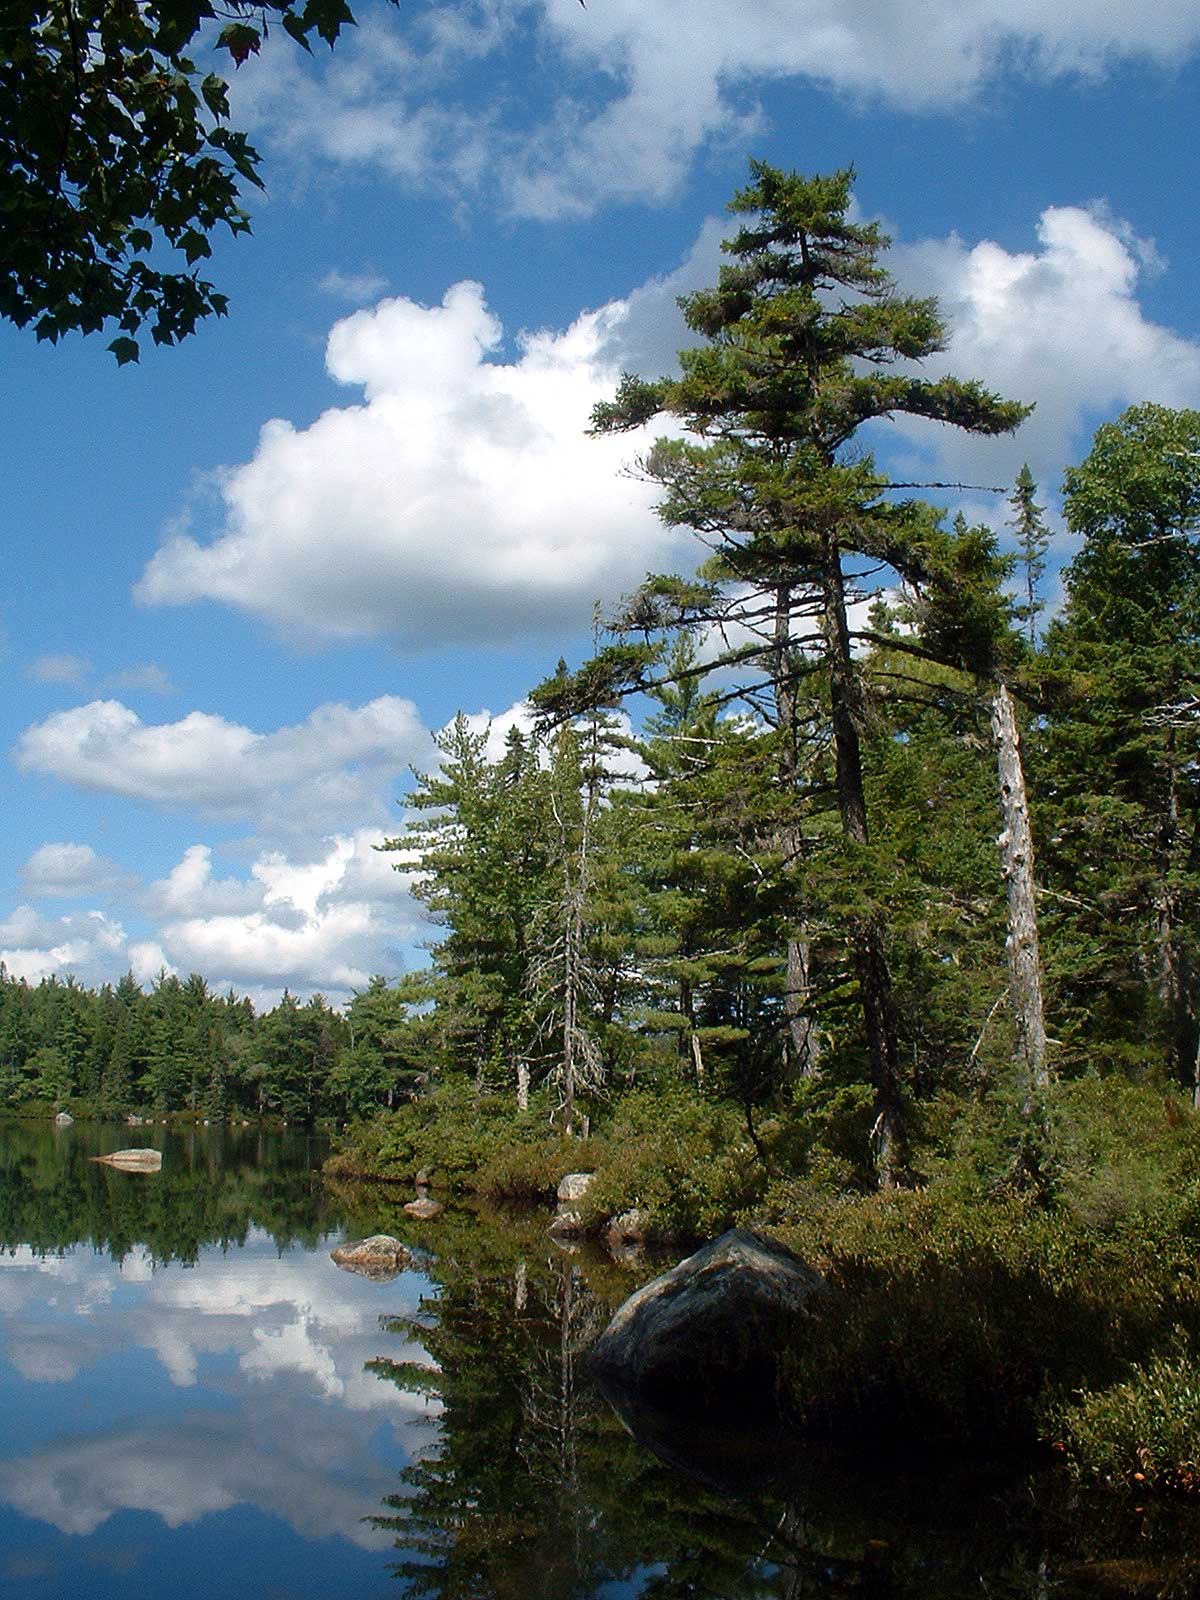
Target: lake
198	1402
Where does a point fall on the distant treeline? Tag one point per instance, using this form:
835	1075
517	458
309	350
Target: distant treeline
183	1048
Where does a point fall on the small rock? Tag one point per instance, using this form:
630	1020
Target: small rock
379	1258
64	1119
133	1160
574	1186
629	1228
133	1120
567	1225
422	1179
423	1208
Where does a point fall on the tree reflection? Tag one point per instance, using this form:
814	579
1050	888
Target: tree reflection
215	1185
536	1487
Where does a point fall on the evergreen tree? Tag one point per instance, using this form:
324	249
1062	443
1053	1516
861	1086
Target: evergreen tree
802	329
1033	541
1119	751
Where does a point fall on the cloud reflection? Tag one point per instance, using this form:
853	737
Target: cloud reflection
271	1349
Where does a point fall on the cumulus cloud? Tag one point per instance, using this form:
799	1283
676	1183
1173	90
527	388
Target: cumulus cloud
34	947
1059	325
69	870
462	502
326	924
634	91
325	770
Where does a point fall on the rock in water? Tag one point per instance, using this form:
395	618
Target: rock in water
379	1258
574	1186
423	1208
567	1222
133	1160
710	1332
64	1119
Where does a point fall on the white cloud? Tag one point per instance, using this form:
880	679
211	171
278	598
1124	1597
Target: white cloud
34	947
627	94
326	923
66	870
60	668
190	889
462	501
148	677
354	287
325	770
1059	325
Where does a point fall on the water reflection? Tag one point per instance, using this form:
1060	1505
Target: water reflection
197	1402
212	1375
538	1487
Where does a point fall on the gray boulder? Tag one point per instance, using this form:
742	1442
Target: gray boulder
423	1208
64	1119
711	1332
379	1258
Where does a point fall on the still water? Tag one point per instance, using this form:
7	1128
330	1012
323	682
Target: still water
196	1401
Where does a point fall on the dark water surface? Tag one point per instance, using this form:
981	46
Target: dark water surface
195	1401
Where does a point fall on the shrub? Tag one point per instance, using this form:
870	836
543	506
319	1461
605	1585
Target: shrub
1145	1429
686	1162
531	1170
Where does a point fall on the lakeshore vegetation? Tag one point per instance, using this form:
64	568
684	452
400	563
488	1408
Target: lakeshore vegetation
842	891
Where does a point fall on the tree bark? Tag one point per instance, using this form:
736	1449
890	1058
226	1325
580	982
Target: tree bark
866	936
1016	864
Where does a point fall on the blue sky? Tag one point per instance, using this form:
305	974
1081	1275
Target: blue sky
247	579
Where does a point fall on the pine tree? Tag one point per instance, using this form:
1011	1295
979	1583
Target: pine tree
803	330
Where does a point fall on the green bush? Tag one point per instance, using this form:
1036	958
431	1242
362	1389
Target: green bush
531	1170
685	1162
1145	1429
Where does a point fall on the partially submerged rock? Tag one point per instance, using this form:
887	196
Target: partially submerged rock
423	1208
133	1160
567	1222
574	1186
630	1228
133	1120
379	1258
63	1119
710	1333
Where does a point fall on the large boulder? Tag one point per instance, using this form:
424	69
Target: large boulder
379	1258
63	1119
423	1208
710	1333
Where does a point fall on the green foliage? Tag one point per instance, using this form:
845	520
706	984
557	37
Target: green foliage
527	1169
684	1161
117	163
1144	1430
451	1132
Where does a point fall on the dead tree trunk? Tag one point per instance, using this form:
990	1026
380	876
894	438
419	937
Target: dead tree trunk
1016	863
